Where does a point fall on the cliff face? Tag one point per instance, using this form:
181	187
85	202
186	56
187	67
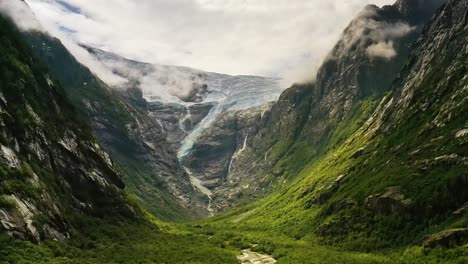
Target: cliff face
212	157
124	125
414	159
51	167
310	120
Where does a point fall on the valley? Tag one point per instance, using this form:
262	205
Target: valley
367	163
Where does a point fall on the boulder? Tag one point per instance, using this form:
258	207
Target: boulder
447	238
358	153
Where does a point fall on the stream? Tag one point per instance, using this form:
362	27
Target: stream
250	257
198	184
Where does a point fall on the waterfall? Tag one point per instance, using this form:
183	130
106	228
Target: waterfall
188	116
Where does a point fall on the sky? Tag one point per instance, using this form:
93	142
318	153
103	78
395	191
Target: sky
277	38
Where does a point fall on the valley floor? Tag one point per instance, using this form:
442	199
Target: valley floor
212	240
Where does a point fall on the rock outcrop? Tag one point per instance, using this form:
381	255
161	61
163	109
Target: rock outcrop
447	238
390	201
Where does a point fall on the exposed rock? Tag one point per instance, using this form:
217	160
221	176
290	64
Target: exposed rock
211	154
447	238
461	133
9	157
141	137
198	112
214	156
176	120
13	222
461	211
324	193
49	157
390	201
299	124
358	153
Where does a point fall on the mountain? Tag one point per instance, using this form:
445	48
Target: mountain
195	98
310	120
398	181
135	141
53	171
188	104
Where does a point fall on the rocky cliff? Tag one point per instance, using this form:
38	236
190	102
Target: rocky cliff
52	170
212	156
123	124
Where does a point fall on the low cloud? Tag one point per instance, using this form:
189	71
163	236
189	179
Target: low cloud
382	49
26	20
284	39
375	37
21	14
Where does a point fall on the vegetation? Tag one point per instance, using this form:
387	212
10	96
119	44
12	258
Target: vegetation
325	214
105	241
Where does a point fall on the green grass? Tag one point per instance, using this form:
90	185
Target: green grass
104	241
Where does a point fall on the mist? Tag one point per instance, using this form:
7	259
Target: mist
21	14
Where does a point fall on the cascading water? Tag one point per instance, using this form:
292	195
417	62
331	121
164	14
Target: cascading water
182	122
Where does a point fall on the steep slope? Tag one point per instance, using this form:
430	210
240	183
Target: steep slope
401	179
310	120
52	171
134	140
60	190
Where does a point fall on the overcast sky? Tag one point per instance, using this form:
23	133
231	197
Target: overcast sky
283	38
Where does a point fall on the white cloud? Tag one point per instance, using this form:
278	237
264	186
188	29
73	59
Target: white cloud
382	49
287	38
21	14
375	37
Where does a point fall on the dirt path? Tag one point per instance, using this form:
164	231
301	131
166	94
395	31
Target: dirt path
250	257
